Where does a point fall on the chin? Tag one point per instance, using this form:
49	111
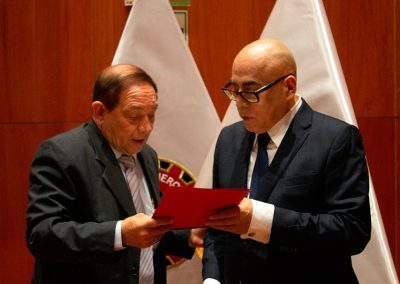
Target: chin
249	127
139	146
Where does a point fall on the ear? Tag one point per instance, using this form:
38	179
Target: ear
98	110
291	84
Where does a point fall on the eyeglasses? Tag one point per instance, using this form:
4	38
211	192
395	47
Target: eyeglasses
249	96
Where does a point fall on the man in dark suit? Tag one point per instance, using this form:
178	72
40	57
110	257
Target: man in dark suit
308	210
83	225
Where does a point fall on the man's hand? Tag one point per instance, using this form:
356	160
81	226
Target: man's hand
233	219
197	237
142	231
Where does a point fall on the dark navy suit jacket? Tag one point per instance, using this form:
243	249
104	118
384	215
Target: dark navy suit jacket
77	194
318	183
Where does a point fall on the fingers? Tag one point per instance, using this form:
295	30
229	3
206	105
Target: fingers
161	221
142	231
196	237
225	216
232	228
225	213
157	231
159	226
222	222
233	219
244	207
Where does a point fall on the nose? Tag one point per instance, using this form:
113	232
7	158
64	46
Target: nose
240	102
146	125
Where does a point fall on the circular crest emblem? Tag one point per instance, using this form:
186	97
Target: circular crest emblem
172	173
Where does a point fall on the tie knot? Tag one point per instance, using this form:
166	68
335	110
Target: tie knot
263	140
127	161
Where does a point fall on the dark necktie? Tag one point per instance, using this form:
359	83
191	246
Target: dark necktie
261	165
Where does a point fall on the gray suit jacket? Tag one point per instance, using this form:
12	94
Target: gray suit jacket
318	182
77	194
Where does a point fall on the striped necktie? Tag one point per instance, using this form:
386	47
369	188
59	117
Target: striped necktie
146	271
261	165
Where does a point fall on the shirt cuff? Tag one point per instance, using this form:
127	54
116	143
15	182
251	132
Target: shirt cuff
118	237
261	222
211	281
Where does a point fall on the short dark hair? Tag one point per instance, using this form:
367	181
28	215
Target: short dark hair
111	82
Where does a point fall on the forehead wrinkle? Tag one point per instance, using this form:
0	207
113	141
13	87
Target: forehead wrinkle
141	106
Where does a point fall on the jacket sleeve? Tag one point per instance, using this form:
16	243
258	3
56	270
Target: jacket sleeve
176	243
342	224
53	230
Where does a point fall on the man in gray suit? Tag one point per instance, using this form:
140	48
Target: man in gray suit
308	210
83	225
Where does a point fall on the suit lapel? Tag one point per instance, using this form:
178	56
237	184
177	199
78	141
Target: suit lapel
112	174
294	138
241	163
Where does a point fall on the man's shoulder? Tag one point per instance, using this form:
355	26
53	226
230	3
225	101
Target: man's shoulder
329	122
235	137
321	118
71	142
71	136
329	128
236	128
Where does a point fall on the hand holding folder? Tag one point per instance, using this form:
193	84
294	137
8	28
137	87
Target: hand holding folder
190	207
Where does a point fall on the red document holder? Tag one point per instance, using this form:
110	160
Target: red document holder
190	207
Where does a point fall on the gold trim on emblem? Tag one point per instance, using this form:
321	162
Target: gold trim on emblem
185	176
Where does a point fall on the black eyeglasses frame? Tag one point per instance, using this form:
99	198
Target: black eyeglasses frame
231	94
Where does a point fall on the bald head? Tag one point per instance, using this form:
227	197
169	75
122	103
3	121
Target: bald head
268	56
265	71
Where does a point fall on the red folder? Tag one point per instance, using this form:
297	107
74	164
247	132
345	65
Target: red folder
191	206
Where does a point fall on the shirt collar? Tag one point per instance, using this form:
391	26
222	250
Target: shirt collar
118	154
278	131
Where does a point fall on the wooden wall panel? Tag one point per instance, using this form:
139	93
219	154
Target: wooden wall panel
396	68
217	32
396	254
397	136
18	144
109	22
17	60
364	36
380	152
48	53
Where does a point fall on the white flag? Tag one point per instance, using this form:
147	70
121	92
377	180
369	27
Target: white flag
186	120
303	26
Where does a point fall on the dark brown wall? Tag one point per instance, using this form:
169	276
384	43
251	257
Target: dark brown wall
51	51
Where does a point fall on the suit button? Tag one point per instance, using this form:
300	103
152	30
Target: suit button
134	272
